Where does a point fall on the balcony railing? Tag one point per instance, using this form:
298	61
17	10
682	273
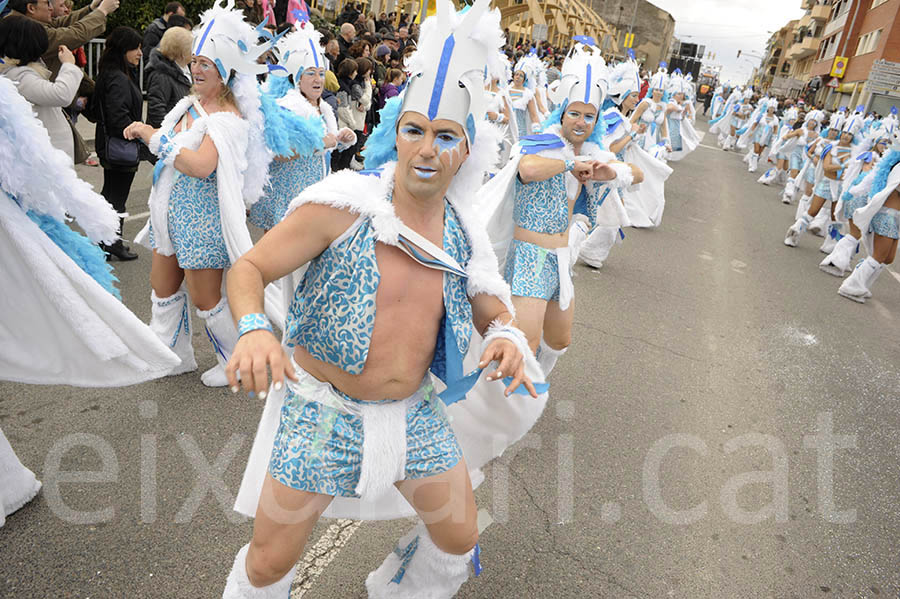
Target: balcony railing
802	49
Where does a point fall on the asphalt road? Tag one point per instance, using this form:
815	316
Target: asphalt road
724	426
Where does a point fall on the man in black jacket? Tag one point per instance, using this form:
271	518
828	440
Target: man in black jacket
157	28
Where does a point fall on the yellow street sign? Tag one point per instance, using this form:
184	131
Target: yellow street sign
839	66
629	41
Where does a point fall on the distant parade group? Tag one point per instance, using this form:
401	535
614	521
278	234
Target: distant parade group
838	168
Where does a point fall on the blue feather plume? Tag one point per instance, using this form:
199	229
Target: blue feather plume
381	147
286	132
890	160
80	249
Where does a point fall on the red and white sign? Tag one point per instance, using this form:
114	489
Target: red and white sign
833	83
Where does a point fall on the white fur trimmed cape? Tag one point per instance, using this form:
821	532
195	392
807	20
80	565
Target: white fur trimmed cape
485	423
59	325
230	134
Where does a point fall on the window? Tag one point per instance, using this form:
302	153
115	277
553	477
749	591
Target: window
868	42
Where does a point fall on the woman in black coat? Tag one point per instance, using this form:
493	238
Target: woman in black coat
168	81
117	103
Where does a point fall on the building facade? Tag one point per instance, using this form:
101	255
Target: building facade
653	28
775	66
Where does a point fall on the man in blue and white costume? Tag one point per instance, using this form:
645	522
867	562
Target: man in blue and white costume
725	124
530	205
353	425
784	146
301	130
644	202
762	132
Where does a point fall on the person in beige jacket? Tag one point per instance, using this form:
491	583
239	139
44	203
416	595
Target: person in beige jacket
22	42
73	30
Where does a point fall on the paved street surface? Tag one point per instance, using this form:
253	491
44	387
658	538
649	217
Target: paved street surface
685	452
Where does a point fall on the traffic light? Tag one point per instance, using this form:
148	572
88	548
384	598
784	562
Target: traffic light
739	54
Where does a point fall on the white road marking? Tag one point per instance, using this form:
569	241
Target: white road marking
321	554
895	275
132	217
710	147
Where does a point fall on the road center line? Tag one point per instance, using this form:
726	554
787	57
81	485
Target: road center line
132	217
317	557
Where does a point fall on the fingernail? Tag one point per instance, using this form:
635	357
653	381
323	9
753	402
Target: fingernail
278	386
251	394
499	374
489	378
235	389
262	394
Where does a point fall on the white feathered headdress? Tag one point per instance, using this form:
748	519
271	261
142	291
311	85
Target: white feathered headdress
532	66
660	80
624	79
299	50
582	79
677	83
231	43
447	70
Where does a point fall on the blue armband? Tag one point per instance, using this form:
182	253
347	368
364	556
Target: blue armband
253	322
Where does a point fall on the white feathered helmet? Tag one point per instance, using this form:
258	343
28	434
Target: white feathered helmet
532	66
231	43
660	79
446	78
853	124
624	79
582	79
677	83
300	50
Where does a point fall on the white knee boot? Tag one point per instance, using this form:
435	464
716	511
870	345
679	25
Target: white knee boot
820	223
788	191
753	163
831	237
596	248
803	205
796	230
837	263
238	584
170	319
223	335
857	286
547	357
417	569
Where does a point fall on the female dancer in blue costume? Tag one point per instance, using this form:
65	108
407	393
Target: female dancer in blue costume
212	158
301	129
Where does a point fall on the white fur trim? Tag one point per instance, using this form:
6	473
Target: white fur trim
258	154
42	177
384	447
238	585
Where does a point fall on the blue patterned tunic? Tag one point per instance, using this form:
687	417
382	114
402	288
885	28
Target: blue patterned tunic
332	314
195	225
542	206
286	181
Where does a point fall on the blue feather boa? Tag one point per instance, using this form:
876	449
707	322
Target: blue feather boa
381	146
286	132
80	249
890	160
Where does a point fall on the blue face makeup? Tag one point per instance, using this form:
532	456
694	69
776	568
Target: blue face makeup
411	133
588	118
446	142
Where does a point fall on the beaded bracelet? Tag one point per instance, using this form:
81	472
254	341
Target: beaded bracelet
253	322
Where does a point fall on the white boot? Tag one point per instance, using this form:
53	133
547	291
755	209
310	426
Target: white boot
831	237
872	278
729	143
596	248
837	263
417	569
788	191
223	335
820	223
238	584
803	205
547	356
170	319
754	162
796	230
856	286
768	177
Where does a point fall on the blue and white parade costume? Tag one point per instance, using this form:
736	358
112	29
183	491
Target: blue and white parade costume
875	220
783	145
524	102
717	105
409	438
827	188
723	124
652	114
760	133
683	136
63	323
644	202
294	127
202	222
806	144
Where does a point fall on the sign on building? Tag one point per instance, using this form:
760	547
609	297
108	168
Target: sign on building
834	83
629	41
884	78
839	66
538	32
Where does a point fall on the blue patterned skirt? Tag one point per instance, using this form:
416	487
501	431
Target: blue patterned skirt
532	271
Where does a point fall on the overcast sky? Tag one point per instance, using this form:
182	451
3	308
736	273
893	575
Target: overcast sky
725	27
